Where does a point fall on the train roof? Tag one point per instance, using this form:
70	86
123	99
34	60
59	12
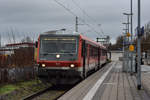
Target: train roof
92	41
80	35
54	34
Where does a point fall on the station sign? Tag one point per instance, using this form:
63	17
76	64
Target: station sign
131	47
142	30
128	34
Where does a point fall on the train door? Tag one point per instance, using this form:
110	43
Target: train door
84	54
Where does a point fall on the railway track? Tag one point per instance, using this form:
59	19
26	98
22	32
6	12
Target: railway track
50	93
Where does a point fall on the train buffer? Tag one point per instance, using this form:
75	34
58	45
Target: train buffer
110	83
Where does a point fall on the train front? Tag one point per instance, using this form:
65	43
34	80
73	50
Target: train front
59	58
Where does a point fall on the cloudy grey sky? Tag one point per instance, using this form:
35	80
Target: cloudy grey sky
32	17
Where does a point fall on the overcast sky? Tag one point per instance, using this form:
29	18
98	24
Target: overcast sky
32	17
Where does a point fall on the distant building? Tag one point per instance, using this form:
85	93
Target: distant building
18	45
6	51
9	48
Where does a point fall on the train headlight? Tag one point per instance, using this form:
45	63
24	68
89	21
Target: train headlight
57	56
72	65
43	65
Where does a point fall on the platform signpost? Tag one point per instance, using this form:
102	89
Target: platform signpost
131	49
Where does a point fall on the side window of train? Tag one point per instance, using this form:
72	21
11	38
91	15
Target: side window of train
96	52
103	53
91	51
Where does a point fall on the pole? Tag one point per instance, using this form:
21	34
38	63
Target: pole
126	40
139	48
131	37
131	21
0	40
97	39
76	25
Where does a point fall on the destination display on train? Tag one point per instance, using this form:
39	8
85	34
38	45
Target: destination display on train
52	39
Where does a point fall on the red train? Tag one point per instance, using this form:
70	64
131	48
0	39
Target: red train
66	58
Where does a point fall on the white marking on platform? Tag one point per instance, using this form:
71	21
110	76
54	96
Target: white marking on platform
110	83
94	89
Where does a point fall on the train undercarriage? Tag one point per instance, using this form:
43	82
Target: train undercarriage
56	76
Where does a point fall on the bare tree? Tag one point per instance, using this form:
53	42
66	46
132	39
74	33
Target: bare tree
27	39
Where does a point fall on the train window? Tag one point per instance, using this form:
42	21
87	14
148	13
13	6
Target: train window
96	52
93	51
61	45
103	52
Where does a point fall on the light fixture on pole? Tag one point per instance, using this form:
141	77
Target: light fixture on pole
128	15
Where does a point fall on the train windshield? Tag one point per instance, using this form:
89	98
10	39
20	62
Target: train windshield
59	45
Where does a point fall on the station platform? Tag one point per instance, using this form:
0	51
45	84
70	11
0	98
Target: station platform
110	83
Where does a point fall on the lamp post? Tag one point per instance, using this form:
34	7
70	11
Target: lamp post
131	36
139	47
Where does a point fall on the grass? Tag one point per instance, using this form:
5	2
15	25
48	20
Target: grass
28	83
7	88
23	89
11	87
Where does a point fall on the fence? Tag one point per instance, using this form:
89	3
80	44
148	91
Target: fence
18	65
9	75
19	58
